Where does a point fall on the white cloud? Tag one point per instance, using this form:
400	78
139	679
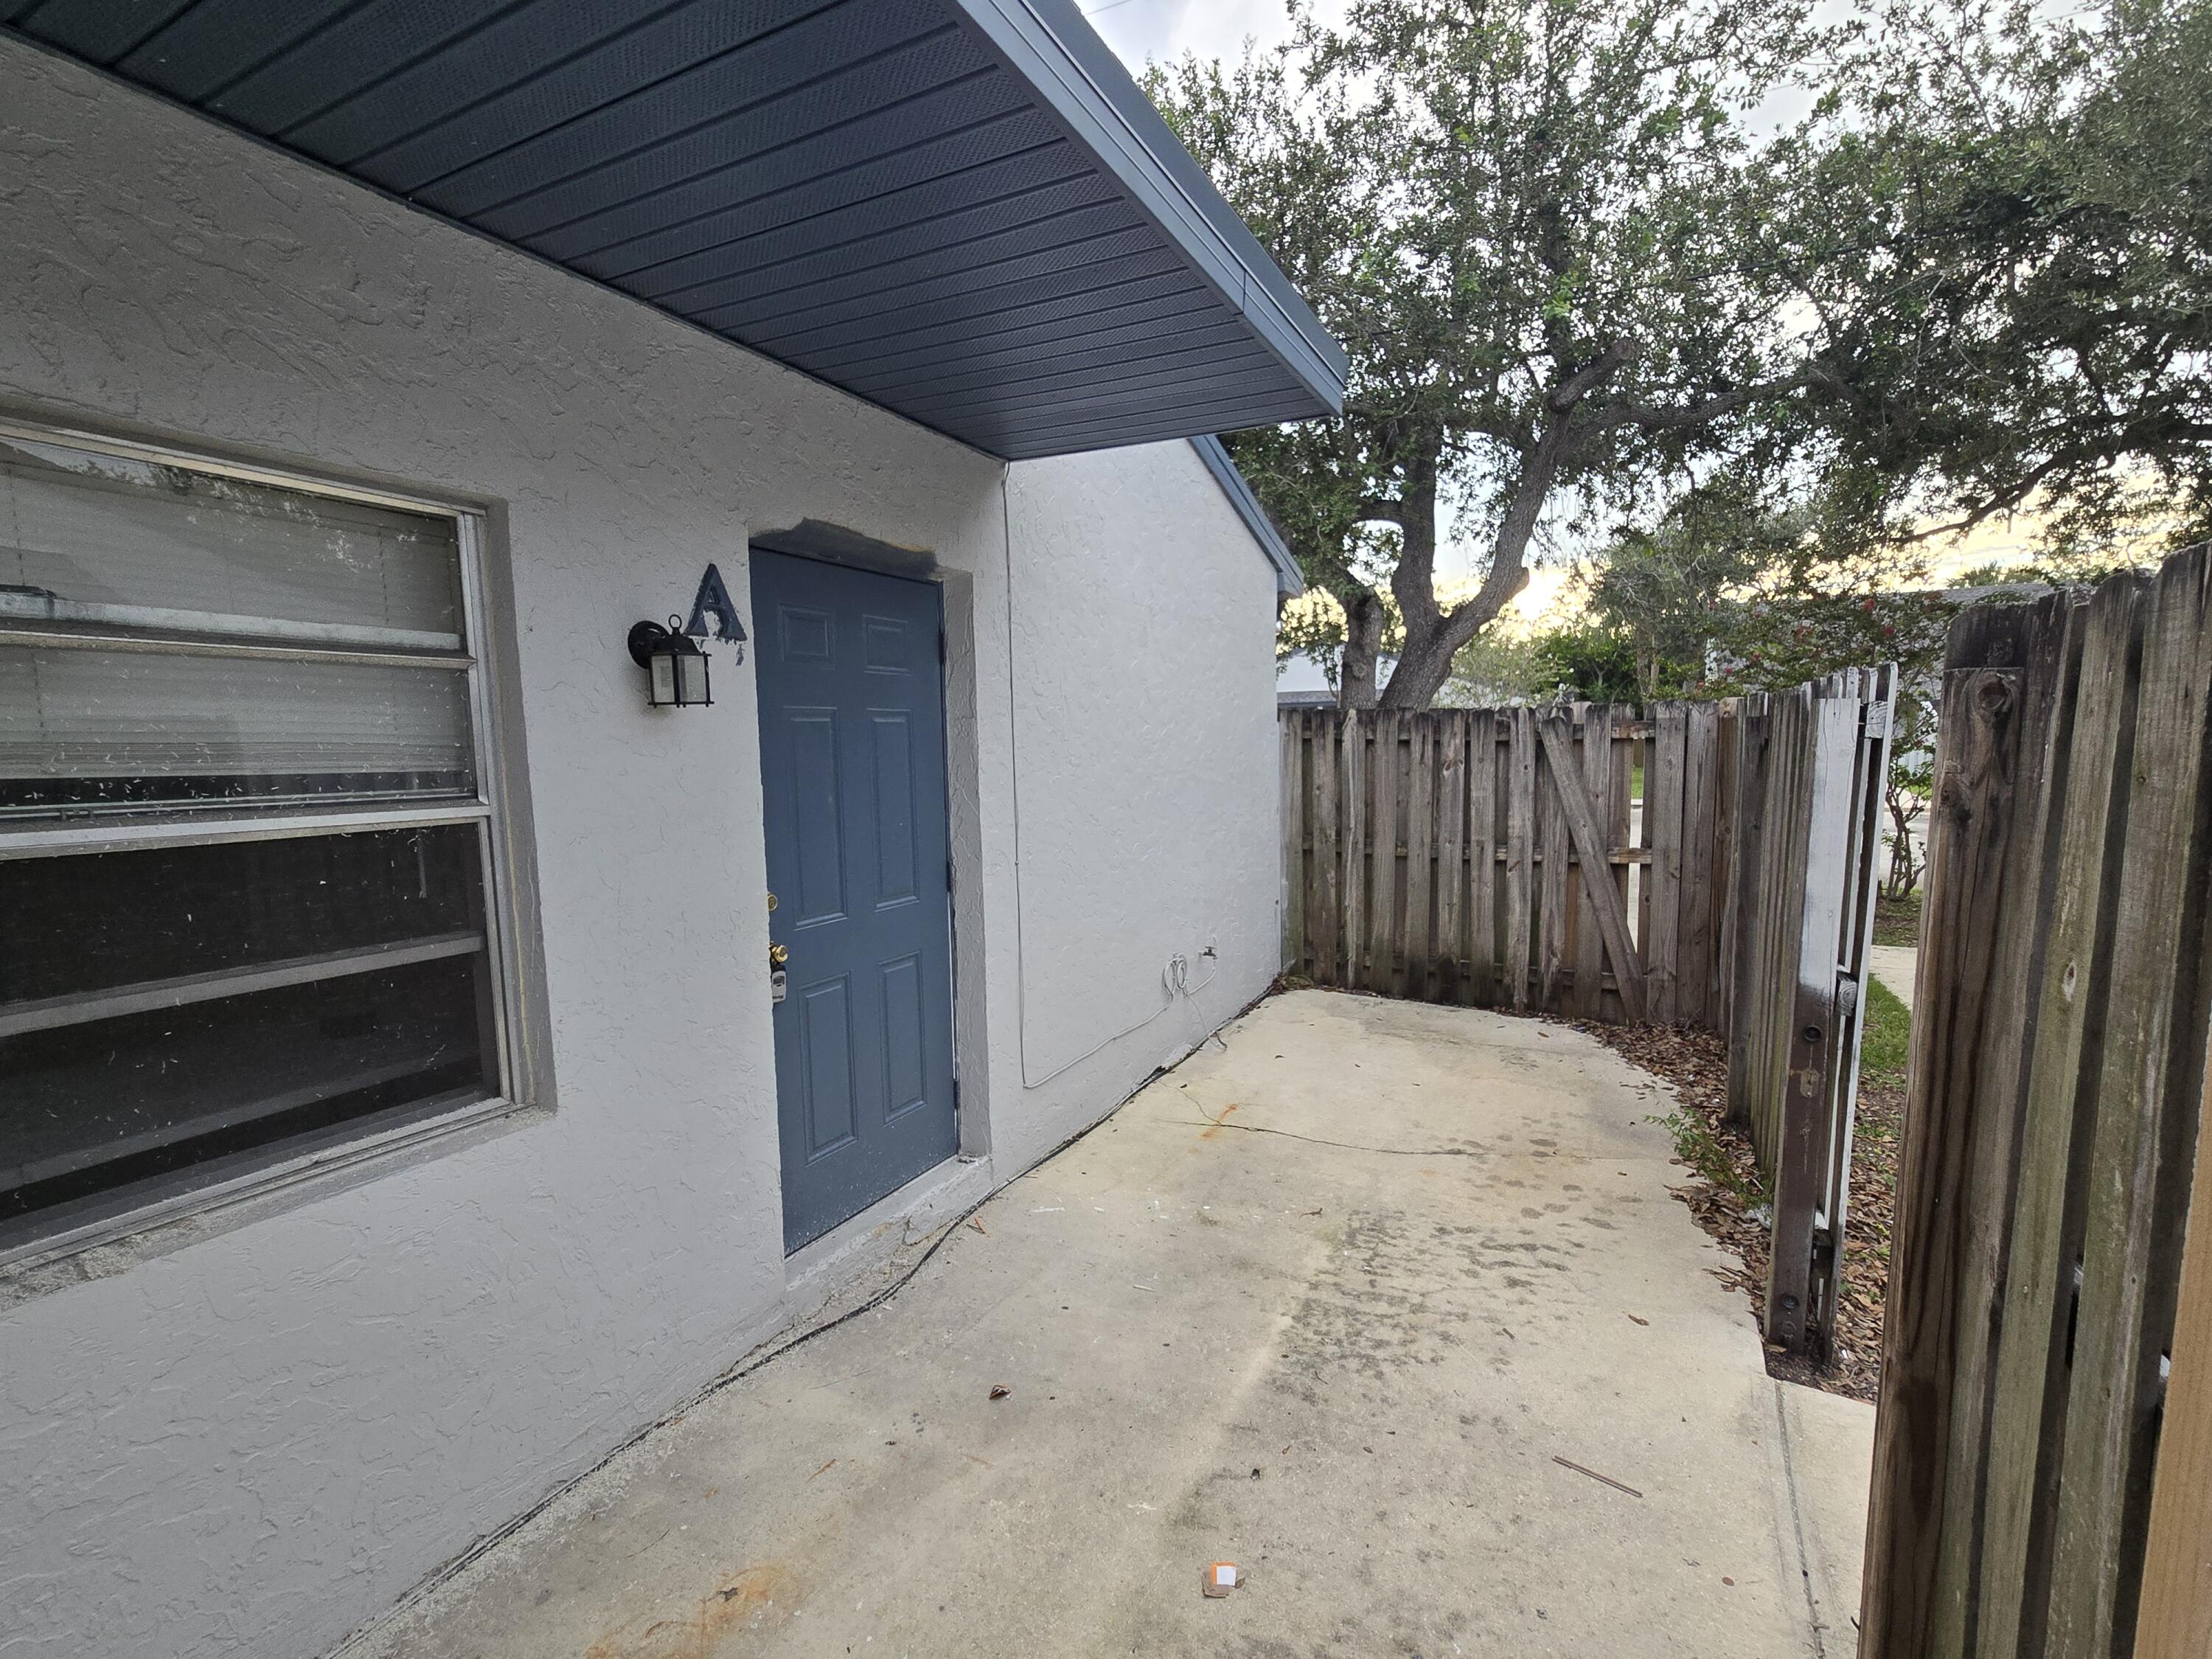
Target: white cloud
1166	29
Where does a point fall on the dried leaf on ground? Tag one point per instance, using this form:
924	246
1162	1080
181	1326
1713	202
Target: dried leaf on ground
1727	1196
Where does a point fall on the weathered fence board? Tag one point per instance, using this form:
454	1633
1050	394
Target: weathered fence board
1451	950
2020	1203
1520	855
1500	857
2051	1144
1608	920
2176	1620
1662	811
1481	983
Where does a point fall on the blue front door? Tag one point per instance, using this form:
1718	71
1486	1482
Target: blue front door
852	719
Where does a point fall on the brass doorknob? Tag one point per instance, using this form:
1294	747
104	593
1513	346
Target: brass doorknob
778	955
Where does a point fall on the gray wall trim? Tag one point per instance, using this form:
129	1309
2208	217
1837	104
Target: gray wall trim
1289	581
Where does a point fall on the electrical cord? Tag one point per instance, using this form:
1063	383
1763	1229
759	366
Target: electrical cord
736	1374
1315	1140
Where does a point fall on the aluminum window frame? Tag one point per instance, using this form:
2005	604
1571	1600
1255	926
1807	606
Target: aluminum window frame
222	1182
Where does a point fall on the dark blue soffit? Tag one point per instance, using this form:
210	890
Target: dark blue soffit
1289	581
962	211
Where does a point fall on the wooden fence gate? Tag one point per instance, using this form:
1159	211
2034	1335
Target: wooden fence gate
1702	864
2042	1490
1811	766
1485	855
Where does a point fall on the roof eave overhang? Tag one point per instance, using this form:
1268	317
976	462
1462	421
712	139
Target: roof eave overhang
1090	290
1049	46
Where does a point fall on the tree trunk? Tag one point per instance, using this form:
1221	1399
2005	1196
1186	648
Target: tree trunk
1362	643
1432	639
1904	863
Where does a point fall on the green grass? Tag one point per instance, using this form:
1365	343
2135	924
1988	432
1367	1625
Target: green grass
1897	921
1702	1154
1888	1040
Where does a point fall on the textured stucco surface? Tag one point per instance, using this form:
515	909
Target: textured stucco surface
251	1443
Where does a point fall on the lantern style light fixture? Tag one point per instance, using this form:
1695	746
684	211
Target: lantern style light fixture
675	667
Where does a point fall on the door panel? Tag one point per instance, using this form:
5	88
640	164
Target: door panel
852	716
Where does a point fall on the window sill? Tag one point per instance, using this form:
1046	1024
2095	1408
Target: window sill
99	1248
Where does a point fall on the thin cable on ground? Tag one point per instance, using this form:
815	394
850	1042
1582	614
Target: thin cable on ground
432	1582
1315	1140
460	1564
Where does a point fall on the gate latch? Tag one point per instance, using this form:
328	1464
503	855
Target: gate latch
1847	993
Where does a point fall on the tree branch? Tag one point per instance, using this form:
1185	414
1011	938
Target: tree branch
1654	417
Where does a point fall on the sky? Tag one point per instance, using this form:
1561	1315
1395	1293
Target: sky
1166	29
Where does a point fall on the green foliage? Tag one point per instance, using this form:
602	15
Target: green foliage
2004	209
1496	668
1679	592
1886	1045
1776	642
1538	232
1577	661
1705	1157
1897	920
1592	664
1582	302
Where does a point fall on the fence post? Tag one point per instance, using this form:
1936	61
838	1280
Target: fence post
1812	1043
1969	827
1747	943
2176	1621
1351	929
1450	954
1294	791
1985	886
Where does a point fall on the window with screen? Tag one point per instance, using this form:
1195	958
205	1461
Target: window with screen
246	828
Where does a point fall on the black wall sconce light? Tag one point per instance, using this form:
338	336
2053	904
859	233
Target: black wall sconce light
675	667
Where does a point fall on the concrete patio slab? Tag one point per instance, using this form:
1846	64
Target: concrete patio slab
1387	1303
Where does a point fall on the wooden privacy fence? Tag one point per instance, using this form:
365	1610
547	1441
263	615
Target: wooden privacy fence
2042	1490
1485	855
1705	864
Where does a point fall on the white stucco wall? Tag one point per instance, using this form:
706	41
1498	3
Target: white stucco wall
248	1440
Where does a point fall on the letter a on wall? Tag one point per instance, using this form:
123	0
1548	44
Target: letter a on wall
712	616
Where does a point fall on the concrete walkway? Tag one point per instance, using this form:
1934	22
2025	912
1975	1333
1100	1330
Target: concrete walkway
1894	965
1387	1303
